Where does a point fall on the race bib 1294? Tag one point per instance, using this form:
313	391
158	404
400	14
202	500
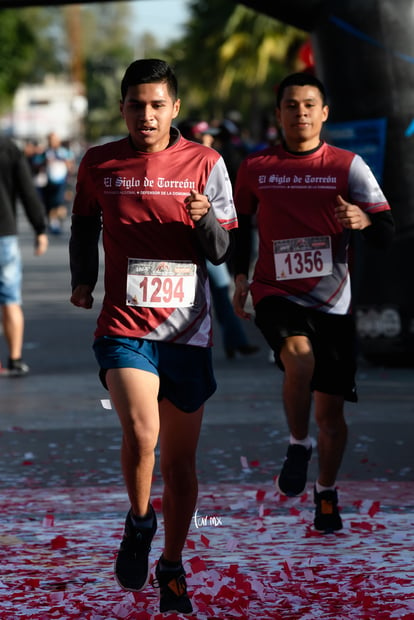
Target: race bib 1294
160	284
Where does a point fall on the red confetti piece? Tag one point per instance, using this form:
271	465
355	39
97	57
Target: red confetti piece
260	495
358	579
32	583
287	570
232	570
197	564
226	592
59	542
243	584
311	533
157	504
375	506
308	576
190	544
283	498
205	540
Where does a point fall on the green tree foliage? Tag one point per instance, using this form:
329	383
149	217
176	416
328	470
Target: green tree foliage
21	46
231	58
196	56
255	50
94	49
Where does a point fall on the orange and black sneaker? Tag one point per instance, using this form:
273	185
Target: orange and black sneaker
327	517
173	589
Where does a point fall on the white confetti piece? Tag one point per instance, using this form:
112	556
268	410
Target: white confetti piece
232	544
244	463
106	403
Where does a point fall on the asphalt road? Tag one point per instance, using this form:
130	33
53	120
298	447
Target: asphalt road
55	431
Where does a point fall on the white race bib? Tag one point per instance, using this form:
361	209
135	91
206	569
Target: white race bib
305	257
160	284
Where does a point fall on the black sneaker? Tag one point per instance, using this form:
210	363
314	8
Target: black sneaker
292	478
173	590
327	517
132	568
17	368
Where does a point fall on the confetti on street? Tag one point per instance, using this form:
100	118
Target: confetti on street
250	555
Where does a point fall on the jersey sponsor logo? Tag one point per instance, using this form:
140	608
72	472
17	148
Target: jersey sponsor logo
306	181
125	182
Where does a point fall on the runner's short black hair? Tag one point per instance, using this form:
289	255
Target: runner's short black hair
149	71
300	79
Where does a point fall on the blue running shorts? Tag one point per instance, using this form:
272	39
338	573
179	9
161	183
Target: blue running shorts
185	371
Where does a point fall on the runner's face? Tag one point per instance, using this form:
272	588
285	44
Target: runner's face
301	116
148	111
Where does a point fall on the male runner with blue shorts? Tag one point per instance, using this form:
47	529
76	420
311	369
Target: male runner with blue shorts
165	205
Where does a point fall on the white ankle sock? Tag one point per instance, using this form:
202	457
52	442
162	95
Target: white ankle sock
307	442
319	488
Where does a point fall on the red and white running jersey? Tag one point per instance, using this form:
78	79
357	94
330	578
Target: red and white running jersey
303	250
156	284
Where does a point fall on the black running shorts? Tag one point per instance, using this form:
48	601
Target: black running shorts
332	336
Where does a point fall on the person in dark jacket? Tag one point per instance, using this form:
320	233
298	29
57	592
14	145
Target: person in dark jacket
16	185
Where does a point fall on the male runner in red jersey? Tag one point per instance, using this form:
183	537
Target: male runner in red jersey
165	205
308	198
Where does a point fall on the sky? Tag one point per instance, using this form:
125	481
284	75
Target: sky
162	18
